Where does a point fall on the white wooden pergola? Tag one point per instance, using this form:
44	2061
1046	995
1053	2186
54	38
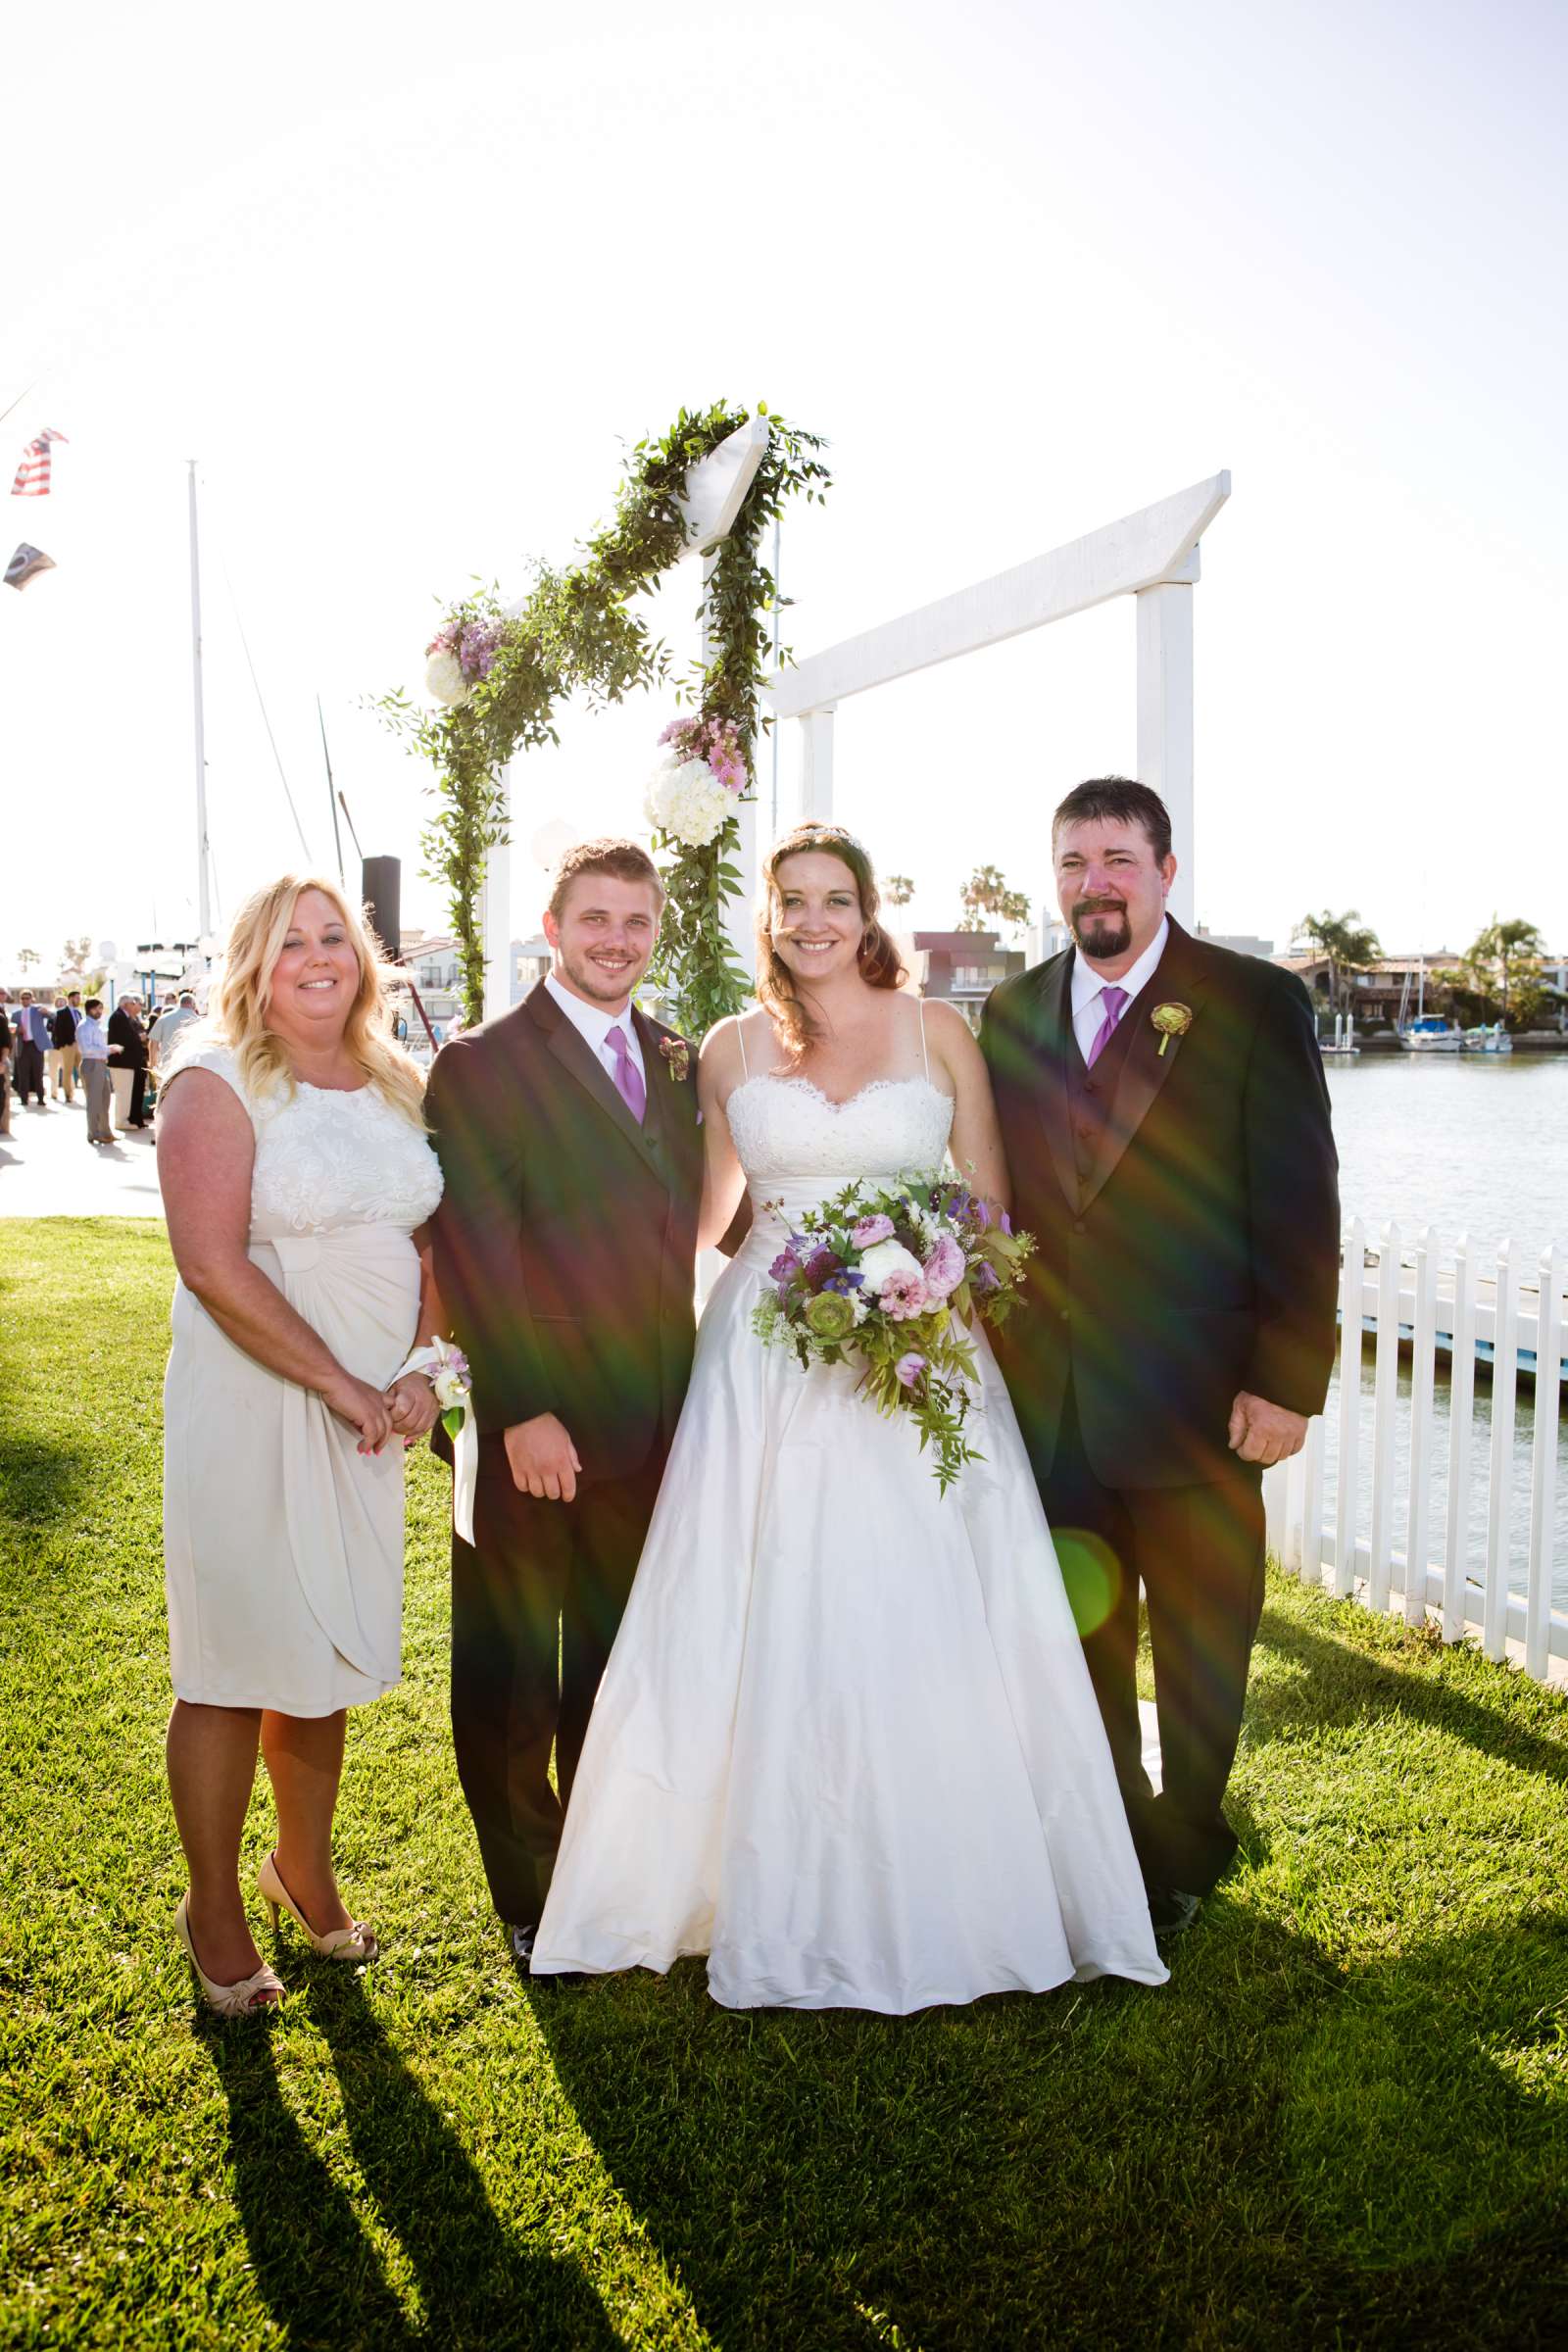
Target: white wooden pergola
1152	556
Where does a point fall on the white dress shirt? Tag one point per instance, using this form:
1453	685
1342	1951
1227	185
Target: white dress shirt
595	1025
1087	987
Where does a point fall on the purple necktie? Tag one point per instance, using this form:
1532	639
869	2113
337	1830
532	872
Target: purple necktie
1112	999
628	1078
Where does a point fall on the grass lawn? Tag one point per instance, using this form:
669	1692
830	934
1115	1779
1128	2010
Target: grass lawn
1344	2123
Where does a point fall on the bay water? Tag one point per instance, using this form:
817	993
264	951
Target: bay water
1462	1143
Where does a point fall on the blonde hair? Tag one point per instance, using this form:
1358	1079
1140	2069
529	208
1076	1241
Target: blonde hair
241	994
880	963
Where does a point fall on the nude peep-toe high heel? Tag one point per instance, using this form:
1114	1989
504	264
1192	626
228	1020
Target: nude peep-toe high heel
355	1942
262	1992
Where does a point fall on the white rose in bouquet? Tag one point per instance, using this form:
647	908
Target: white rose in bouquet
686	800
444	678
885	1260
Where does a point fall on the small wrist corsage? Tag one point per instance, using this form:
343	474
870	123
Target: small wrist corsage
446	1368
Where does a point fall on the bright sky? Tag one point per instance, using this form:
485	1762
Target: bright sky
403	280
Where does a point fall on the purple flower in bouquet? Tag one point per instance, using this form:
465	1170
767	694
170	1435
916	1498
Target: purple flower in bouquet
903	1296
479	646
822	1263
846	1281
944	1267
785	1266
1005	1221
870	1230
909	1368
986	1279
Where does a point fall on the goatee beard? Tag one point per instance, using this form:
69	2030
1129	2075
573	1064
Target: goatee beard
1100	931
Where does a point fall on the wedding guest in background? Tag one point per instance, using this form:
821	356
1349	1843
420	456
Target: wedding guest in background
5	1066
167	1028
64	1056
74	1001
32	1029
127	1062
93	1047
297	1178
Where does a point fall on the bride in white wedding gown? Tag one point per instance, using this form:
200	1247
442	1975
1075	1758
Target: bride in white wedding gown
845	1743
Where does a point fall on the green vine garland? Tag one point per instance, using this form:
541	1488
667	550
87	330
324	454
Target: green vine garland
576	632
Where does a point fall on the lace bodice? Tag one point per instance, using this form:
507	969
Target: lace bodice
326	1162
790	1135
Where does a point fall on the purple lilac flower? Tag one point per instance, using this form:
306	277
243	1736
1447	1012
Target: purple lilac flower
909	1368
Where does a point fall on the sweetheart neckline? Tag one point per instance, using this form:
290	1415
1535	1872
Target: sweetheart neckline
872	1086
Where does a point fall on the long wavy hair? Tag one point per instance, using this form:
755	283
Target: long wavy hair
879	960
242	992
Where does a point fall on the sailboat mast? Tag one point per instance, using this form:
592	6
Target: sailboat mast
203	887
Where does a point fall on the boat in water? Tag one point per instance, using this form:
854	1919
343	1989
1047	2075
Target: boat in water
1484	1040
1431	1034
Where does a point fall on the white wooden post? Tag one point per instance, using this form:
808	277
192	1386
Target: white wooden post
1166	715
495	919
1499	1499
1290	1555
1544	1464
1423	1380
1384	1399
1352	1282
816	764
1461	1410
1313	1503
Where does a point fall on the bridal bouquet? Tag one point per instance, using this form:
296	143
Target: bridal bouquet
891	1278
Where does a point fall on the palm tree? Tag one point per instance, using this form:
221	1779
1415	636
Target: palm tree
986	894
1347	944
1504	961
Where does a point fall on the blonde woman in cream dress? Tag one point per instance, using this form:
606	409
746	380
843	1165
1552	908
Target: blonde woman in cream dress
297	1180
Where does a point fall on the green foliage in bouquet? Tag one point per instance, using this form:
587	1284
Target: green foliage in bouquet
576	632
892	1279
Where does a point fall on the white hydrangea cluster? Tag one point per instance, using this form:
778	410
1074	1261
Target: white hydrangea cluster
686	800
444	678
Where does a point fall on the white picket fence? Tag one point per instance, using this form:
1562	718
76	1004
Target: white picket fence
1460	1301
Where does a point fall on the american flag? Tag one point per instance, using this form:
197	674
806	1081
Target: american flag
32	474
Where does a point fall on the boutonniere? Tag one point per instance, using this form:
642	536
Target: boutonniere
678	1054
1171	1020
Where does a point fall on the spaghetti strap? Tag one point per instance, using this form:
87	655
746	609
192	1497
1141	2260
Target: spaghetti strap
740	1040
925	1050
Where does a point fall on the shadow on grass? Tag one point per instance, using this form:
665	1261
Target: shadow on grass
1272	2151
1342	1684
42	1480
316	2268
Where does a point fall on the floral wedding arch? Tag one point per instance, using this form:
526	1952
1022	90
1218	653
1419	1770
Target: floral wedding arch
497	675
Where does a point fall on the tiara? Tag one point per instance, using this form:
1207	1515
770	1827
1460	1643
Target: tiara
817	824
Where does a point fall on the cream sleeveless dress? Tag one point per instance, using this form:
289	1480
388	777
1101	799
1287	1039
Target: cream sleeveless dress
845	1743
282	1544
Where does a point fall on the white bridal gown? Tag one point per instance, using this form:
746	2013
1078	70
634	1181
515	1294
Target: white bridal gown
845	1743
